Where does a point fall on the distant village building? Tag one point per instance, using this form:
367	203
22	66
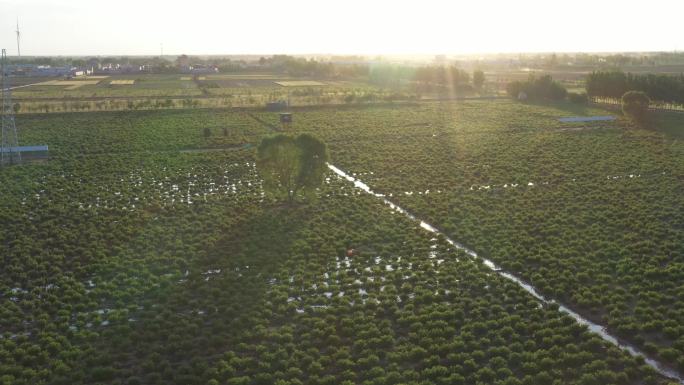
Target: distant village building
185	66
43	70
116	68
21	69
202	69
127	68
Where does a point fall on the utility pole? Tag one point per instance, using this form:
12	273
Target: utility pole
9	152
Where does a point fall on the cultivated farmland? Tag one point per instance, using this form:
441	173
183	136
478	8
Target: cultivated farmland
145	251
156	91
69	84
590	213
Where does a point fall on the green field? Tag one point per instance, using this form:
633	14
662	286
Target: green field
145	252
145	85
591	214
178	91
171	85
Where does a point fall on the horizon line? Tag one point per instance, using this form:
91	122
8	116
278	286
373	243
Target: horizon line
387	54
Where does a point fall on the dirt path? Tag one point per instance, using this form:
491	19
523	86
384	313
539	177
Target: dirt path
22	86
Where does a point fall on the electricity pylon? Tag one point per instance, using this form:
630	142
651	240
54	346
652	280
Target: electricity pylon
9	152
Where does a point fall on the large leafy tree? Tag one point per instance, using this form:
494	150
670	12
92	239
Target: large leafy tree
478	79
289	166
313	158
537	88
635	105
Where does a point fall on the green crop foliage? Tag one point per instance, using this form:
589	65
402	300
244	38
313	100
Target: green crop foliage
590	213
144	252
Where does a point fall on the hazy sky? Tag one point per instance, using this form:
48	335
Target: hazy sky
137	27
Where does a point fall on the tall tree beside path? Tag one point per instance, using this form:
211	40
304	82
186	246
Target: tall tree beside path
290	166
635	106
478	79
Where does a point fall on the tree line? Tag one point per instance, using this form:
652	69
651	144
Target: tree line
614	84
428	78
536	88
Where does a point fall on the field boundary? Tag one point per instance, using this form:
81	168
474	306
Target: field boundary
261	121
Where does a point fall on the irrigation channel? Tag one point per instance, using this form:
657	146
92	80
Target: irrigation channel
593	327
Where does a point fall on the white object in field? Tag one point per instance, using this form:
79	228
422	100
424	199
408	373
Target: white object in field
586	119
24	149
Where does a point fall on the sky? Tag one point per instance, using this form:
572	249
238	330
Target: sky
366	27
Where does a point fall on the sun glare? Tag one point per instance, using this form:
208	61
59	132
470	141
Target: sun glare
349	27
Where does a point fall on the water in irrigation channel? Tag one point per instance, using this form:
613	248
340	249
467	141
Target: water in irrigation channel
593	327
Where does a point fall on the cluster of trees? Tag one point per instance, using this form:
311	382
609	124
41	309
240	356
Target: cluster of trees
59	61
449	78
155	64
623	60
436	78
536	88
292	165
619	60
285	64
614	84
609	61
297	66
390	75
450	75
578	98
635	105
